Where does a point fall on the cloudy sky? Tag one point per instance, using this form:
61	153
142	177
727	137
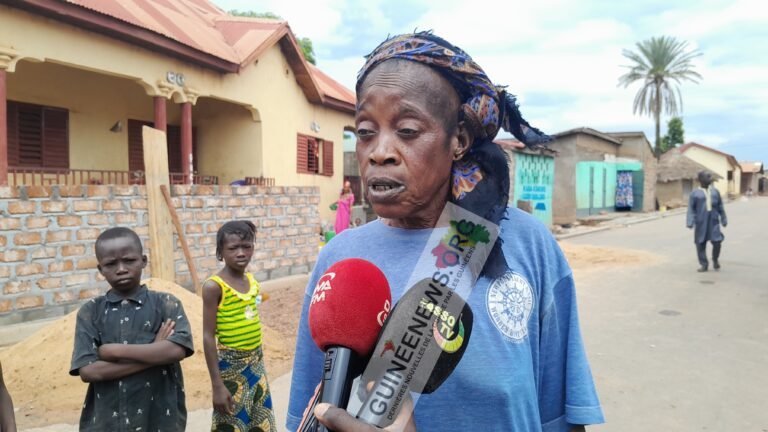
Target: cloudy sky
563	57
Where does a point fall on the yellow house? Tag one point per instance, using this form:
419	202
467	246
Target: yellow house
78	79
718	162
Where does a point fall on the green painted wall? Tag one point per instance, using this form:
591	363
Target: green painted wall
596	187
534	180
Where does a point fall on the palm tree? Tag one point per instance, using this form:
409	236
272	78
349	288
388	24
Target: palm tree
660	62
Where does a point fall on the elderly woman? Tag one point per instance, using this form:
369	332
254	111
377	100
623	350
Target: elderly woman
426	118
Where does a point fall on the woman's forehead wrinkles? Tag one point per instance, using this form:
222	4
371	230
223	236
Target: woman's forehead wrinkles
393	80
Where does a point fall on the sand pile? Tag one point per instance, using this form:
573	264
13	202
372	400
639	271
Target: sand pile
586	258
36	370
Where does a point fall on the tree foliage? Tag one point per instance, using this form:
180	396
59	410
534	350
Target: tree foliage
305	43
661	64
675	134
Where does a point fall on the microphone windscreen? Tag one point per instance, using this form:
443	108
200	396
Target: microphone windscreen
449	333
350	303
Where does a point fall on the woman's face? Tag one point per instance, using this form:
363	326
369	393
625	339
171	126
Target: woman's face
407	139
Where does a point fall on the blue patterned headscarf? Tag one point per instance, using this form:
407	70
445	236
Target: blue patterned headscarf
480	180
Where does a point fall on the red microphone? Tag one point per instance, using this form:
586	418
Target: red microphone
350	303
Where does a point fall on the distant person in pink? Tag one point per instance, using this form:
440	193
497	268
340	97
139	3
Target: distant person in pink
344	208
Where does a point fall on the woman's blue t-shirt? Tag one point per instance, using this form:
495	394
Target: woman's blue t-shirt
525	368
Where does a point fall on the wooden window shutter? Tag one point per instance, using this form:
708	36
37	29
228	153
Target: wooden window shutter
13	133
174	148
135	145
328	158
30	135
55	138
302	154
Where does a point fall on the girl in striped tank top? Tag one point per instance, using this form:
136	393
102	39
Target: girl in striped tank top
232	336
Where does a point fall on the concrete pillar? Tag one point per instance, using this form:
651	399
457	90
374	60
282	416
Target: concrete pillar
3	130
186	142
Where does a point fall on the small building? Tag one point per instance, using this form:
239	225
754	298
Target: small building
593	176
531	178
751	172
720	163
677	177
235	96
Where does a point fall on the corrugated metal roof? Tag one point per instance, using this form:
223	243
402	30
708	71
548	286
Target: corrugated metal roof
204	27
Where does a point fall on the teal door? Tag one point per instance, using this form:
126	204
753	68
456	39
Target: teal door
595	187
534	178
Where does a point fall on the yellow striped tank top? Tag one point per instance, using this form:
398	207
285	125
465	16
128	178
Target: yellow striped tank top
237	320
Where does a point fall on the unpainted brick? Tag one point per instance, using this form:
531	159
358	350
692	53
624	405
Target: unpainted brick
254	201
5	271
113	205
16	287
181	189
204	215
89	293
3	240
9	192
234	202
71	191
213	202
38	191
13	255
97	191
276	211
124	190
243	190
77	279
26	239
70	221
125	218
268	223
21	207
203	190
138	203
5	306
29	269
225	190
68	296
98	219
58	236
87	263
53	206
37	222
43	252
7	224
195	203
60	266
29	302
88	234
49	283
73	250
85	205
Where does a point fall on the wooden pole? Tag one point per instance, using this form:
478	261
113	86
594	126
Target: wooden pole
182	240
160	227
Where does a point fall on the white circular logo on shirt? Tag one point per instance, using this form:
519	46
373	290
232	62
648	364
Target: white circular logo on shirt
510	302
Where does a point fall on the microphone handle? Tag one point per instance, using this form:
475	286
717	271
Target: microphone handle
340	368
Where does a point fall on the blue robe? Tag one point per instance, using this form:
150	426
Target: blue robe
706	223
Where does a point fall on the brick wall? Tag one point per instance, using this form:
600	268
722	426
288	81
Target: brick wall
47	234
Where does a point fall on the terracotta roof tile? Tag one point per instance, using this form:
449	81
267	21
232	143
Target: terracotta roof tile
332	88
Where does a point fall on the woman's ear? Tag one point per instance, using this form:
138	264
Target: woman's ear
464	140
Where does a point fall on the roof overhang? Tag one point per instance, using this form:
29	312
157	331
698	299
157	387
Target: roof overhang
81	17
